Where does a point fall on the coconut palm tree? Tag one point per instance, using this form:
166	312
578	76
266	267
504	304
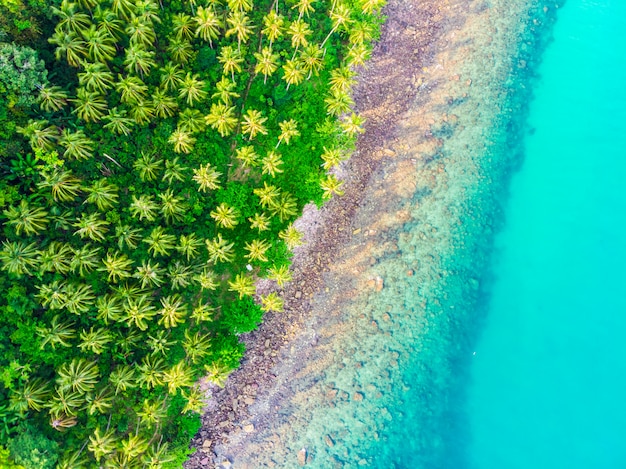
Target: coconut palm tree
268	195
225	216
341	80
59	333
172	311
369	7
243	284
117	266
259	222
177	377
52	295
191	120
56	258
137	311
32	395
189	246
220	250
291	236
338	103
225	91
79	298
76	144
361	32
164	105
247	156
65	403
357	55
149	275
70	18
183	26
208	24
331	157
103	194
331	185
141	111
285	206
340	17
159	343
52	98
231	60
252	125
217	373
353	124
272	302
148	166
109	309
222	118
240	26
180	50
182	140
100	45
207	177
108	21
143	207
69	46
159	242
123	8
157	456
27	219
131	89
123	378
293	73
173	208
39	134
288	130
140	32
85	259
299	32
171	76
90	105
91	226
280	274
180	275
207	279
79	375
63	185
95	340
139	60
174	171
96	77
117	122
148	11
102	443
267	62
195	400
150	372
99	402
272	163
192	89
152	413
312	58
239	5
257	250
128	236
274	25
202	312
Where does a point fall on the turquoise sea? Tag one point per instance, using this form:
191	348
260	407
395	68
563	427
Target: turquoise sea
547	378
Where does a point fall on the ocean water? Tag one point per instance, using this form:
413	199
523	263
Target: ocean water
547	379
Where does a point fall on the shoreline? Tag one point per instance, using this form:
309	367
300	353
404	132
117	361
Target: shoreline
353	253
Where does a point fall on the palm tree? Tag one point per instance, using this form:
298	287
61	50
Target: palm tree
59	333
148	11
369	7
172	311
160	343
288	130
291	236
173	208
139	60
243	285
131	89
96	77
52	98
340	16
108	21
182	140
272	302
85	259
157	457
240	25
174	171
117	266
79	375
202	312
95	340
91	226
183	26
280	274
90	105
100	402
312	59
272	163
152	412
177	377
207	177
341	80
76	144
63	185
353	124
331	185
191	120
70	46
56	258
149	275
143	207
141	111
180	50
208	24
171	76
137	311
285	206
225	216
140	32
361	32
299	32
231	60
195	400
274	26
65	403
180	275
293	73
247	156
225	91
32	395
148	166
102	443
52	295
222	118
331	157
257	249
39	134
109	309
123	8
189	246
268	195
100	45
357	55
61	220
128	236
217	373
70	19
338	103
27	219
259	222
267	62
159	242
191	89
253	123
207	279
220	249
118	122
123	378
103	194
164	105
239	5
151	372
79	298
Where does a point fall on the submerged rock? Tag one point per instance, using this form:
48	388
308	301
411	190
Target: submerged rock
302	457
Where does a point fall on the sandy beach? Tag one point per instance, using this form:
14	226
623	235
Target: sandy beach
399	255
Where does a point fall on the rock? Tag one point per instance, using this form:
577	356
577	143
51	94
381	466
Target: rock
409	273
204	462
380	284
248	428
249	400
331	394
206	445
357	396
298	295
362	462
389	152
386	317
329	441
302	454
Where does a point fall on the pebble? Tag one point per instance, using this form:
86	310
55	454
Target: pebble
302	454
249	400
357	396
248	428
206	444
380	284
298	295
329	441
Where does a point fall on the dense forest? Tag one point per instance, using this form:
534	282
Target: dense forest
153	157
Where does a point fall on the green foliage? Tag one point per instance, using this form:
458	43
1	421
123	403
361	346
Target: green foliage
21	73
33	450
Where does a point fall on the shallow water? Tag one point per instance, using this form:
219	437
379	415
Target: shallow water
548	377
